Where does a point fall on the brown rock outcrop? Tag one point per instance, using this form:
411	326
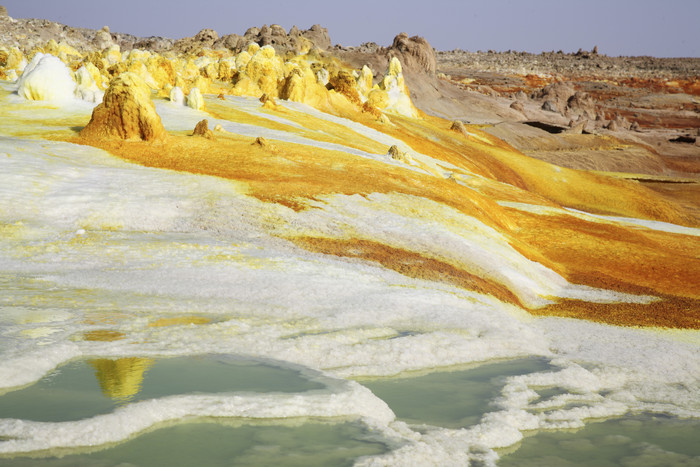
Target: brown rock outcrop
268	102
582	103
415	53
127	112
231	42
394	152
206	36
261	142
202	129
555	96
517	105
103	39
550	106
264	99
576	128
275	36
204	39
618	123
457	125
319	36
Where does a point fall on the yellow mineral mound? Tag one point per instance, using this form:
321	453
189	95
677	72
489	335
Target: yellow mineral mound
241	60
364	82
137	67
112	54
226	69
301	85
127	112
101	82
87	89
294	87
195	99
61	50
343	82
262	74
121	378
162	70
203	84
138	54
46	78
15	60
392	93
177	96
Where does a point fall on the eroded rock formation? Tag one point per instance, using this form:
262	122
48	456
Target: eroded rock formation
415	53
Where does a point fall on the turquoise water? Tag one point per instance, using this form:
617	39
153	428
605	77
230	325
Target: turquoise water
82	389
634	441
213	444
454	399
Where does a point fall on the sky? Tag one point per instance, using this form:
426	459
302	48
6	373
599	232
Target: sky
668	28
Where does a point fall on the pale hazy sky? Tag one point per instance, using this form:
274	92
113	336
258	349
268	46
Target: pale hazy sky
668	28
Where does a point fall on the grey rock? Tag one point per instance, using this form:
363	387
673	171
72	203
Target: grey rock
154	43
232	42
576	128
550	106
319	36
582	104
206	35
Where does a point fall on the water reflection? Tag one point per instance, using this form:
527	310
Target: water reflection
121	379
85	388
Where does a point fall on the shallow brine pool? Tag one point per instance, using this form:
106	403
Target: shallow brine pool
456	399
87	389
635	440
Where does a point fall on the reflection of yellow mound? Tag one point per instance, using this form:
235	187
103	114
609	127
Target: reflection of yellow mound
121	378
103	335
180	320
